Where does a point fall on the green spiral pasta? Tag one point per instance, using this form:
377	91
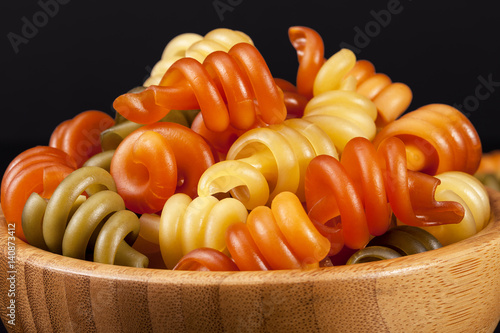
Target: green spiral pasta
112	244
101	160
69	223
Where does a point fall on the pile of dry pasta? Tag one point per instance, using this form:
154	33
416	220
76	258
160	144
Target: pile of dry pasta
214	164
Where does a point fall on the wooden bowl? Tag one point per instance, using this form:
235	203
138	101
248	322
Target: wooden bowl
452	289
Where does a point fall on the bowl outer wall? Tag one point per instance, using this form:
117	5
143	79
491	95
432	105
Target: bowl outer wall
452	289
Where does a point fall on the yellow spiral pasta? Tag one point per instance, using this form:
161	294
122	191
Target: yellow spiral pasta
195	46
186	224
343	72
471	194
337	108
263	162
331	75
343	115
69	223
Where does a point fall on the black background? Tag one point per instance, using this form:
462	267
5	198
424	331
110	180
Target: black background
89	52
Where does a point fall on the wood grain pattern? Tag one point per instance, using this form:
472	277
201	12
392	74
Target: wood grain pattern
453	289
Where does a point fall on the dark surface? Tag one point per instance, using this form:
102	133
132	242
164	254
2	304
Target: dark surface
90	52
86	53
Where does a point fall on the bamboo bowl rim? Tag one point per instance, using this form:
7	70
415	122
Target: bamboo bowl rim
490	235
455	288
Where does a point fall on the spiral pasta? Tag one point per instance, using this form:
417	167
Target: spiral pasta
342	71
263	162
310	53
39	169
68	221
112	136
488	171
251	92
438	138
233	169
279	237
343	115
157	160
80	136
365	186
392	99
206	259
471	194
186	224
195	46
102	160
399	241
294	101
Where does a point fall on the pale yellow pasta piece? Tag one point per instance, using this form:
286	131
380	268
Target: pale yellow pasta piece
264	162
187	224
242	180
468	191
333	71
343	115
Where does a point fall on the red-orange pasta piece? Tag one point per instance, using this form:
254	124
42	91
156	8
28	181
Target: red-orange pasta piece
438	138
80	136
157	160
310	52
243	249
280	237
391	99
206	259
295	103
39	169
354	194
249	92
270	240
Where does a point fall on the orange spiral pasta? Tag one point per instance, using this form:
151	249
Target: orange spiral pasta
294	101
195	46
358	193
206	259
391	98
316	75
39	169
438	138
310	53
80	136
220	142
156	161
239	99
280	237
